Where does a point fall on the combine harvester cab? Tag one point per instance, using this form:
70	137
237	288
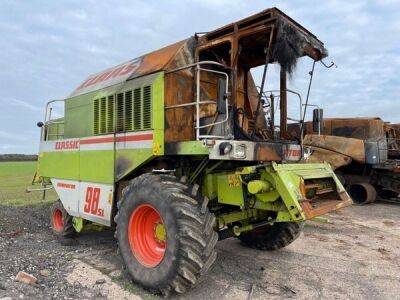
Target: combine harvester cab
178	148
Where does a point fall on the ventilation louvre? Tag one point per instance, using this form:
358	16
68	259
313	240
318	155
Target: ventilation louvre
126	111
96	116
137	107
103	115
110	114
120	112
146	108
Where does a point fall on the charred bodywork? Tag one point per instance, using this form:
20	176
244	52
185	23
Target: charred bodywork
362	150
180	144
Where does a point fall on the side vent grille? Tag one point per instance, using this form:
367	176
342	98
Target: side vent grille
110	114
132	109
128	111
103	115
146	112
120	112
137	107
96	116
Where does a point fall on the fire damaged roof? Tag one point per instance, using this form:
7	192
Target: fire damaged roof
146	64
288	41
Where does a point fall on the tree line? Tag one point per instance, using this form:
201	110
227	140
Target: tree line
18	157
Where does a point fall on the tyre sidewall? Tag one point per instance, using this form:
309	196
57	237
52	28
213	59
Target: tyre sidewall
66	220
157	198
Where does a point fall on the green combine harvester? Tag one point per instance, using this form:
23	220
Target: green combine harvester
179	148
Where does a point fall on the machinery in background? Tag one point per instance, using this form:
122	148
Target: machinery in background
364	152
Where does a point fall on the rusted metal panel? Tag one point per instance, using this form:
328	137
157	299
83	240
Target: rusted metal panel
392	132
358	128
350	147
146	64
178	121
252	35
317	208
179	89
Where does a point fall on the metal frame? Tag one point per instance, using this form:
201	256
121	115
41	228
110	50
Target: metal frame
47	120
197	103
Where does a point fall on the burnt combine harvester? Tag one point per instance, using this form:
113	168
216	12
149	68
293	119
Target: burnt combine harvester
174	151
364	152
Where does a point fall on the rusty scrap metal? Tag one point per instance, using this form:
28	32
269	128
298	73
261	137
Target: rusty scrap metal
362	192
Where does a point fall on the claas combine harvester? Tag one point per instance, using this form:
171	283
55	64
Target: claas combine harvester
177	149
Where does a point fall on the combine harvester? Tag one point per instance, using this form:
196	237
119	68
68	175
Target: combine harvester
364	152
173	151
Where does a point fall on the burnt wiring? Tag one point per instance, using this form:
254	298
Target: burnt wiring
260	94
326	66
216	56
308	95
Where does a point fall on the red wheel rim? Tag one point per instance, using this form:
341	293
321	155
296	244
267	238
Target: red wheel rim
58	220
147	235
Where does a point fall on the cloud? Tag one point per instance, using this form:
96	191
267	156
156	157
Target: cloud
49	47
21	104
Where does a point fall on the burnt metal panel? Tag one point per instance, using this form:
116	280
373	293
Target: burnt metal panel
146	64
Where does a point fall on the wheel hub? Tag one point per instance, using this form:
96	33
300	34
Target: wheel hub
147	235
159	232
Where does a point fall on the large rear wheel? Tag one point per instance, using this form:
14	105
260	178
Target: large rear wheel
272	237
165	233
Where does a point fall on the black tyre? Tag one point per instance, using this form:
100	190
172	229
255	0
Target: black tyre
165	233
272	237
61	221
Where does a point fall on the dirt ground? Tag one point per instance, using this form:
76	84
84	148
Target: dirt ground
357	256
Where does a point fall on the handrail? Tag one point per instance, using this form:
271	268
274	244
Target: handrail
301	110
197	103
191	104
47	120
204	62
198	127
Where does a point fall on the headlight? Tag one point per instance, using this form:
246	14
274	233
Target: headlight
225	148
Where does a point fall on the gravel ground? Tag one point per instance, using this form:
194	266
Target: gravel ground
357	256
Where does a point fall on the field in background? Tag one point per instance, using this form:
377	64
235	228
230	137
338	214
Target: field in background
15	177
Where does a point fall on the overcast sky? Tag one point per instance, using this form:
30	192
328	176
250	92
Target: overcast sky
49	47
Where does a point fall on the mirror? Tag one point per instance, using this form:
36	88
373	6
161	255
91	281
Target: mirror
318	115
221	96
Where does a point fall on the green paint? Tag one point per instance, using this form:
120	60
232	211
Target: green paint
259	186
238	230
278	189
77	223
209	186
158	115
62	164
97	166
129	159
192	148
55	130
237	216
253	192
230	190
